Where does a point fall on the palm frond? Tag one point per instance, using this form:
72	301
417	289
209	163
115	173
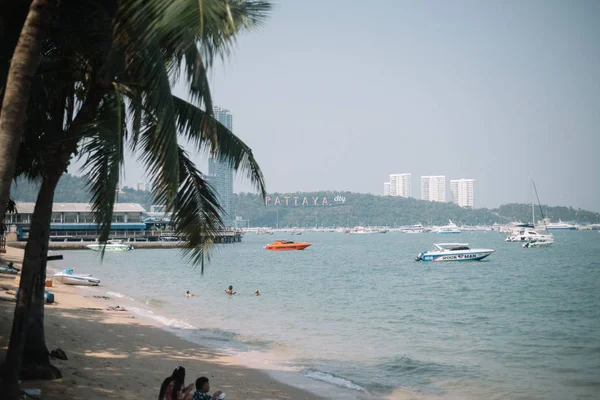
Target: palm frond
190	121
146	67
104	149
197	210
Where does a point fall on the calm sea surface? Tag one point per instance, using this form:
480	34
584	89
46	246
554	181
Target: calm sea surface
357	312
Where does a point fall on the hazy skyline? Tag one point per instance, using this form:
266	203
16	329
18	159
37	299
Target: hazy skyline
335	95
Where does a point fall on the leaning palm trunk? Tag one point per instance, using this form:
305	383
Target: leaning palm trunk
35	361
35	255
35	356
24	63
32	285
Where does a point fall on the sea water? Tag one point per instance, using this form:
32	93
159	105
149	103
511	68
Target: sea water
357	312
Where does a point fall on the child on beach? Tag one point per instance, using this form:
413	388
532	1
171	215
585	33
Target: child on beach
202	389
172	387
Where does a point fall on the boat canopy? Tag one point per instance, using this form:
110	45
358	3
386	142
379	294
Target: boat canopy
451	246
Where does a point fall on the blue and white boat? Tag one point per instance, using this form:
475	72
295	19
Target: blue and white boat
453	252
67	277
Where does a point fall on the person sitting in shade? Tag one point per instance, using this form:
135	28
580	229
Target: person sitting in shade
202	389
173	387
229	290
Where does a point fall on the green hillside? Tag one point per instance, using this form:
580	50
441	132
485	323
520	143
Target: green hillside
356	209
370	210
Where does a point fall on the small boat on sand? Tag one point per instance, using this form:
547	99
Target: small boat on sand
67	277
453	252
283	245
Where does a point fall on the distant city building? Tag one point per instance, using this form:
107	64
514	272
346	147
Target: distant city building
144	187
386	188
463	192
433	188
220	173
400	185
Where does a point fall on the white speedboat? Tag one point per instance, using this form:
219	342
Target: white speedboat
453	252
359	230
447	229
538	243
110	246
67	277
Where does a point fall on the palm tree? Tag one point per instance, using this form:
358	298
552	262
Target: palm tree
23	64
116	65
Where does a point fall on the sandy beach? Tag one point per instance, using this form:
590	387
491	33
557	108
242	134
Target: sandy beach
113	355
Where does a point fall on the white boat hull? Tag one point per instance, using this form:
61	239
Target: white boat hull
546	243
113	248
474	255
68	278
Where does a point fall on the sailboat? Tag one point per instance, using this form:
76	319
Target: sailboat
530	236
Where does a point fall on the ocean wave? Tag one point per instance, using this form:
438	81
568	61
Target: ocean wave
169	322
334	380
156	302
119	295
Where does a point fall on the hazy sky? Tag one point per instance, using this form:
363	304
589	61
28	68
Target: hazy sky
337	95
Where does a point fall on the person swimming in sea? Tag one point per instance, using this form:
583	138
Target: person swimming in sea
188	294
230	291
256	292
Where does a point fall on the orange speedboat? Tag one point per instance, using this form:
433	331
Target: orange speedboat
281	245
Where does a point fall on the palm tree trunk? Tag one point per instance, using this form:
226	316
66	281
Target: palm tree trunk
36	361
35	255
24	63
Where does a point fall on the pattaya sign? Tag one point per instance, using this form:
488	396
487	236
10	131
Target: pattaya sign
302	201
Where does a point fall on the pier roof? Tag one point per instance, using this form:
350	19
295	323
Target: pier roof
27	208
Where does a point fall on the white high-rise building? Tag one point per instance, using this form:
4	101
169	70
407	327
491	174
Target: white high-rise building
400	185
386	188
220	173
463	192
433	188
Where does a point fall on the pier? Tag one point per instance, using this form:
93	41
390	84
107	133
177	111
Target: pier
138	242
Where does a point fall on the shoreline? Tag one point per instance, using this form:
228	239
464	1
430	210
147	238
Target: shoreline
114	354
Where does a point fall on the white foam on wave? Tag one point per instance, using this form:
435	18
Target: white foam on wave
118	295
334	380
170	322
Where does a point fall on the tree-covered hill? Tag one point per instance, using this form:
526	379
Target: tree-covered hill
356	209
73	189
370	210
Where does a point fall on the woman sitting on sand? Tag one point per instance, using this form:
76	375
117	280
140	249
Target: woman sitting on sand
172	387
